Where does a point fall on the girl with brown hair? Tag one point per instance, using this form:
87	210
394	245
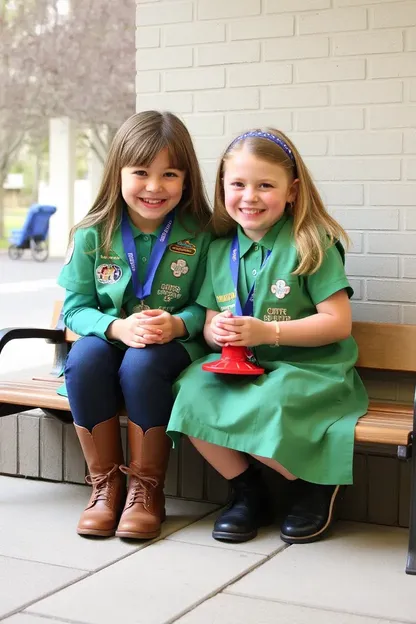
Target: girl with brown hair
134	267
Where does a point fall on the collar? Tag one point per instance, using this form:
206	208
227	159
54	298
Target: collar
268	240
137	231
183	228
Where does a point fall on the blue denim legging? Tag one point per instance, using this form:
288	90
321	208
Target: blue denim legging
100	377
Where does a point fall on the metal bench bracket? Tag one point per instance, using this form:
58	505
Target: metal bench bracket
411	556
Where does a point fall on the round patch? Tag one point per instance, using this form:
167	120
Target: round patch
108	273
179	268
69	252
280	289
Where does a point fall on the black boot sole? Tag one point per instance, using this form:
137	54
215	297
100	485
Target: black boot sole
223	536
315	537
307	539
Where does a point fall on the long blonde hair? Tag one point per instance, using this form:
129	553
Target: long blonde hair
314	229
137	142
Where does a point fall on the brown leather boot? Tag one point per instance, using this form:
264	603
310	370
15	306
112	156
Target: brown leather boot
103	453
144	510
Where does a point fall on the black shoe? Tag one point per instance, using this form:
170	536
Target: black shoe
248	509
312	514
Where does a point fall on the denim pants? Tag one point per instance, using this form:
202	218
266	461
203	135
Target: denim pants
100	377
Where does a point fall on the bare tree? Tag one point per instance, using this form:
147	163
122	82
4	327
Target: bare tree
90	76
78	64
19	88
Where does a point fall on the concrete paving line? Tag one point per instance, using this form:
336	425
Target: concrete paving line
376	618
43	596
55	565
240	550
48	618
91	573
217	591
304	605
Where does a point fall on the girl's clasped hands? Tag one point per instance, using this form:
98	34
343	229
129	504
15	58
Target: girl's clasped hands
147	327
240	331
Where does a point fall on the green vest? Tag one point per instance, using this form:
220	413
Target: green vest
88	271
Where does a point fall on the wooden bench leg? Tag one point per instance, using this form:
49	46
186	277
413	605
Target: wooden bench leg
411	556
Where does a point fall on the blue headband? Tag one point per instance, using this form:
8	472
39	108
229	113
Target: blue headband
265	135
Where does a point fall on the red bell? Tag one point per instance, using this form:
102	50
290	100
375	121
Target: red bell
233	362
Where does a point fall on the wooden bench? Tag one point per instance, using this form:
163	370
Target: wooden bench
382	347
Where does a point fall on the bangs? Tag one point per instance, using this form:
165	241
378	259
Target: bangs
142	153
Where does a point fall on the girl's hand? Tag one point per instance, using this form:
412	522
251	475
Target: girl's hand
132	333
164	326
219	334
245	331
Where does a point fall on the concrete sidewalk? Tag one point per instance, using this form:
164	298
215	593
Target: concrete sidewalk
48	574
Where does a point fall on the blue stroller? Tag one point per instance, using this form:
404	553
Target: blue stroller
33	234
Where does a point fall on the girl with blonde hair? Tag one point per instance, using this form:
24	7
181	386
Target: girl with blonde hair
148	229
276	285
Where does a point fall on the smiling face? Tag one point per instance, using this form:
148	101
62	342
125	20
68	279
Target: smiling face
151	192
256	192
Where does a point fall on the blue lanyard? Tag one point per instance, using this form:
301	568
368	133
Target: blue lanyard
248	308
143	290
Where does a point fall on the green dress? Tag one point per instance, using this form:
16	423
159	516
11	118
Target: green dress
303	410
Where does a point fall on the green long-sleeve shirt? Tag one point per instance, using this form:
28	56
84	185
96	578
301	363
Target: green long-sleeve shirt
99	287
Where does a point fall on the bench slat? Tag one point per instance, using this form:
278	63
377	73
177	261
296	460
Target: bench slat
393	408
385	423
32	393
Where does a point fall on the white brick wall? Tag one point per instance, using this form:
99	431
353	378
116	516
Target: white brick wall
339	76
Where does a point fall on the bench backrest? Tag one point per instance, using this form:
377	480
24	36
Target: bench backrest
381	346
386	346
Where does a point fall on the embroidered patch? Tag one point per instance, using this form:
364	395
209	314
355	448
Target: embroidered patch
108	273
227	297
184	247
276	314
179	268
280	289
169	292
69	252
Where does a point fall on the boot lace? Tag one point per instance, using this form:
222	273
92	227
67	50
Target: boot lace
102	485
139	491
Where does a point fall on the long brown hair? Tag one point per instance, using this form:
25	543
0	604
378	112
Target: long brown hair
137	143
314	229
